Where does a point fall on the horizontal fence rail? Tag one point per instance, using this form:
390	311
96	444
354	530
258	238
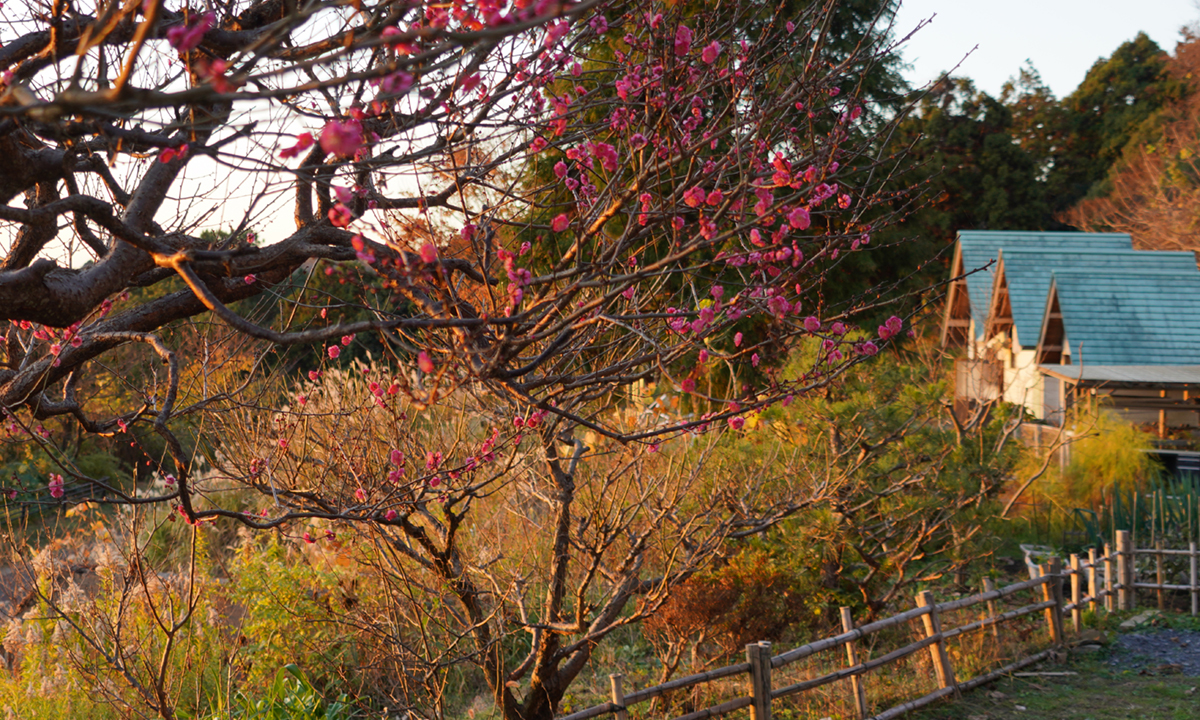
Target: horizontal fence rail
1106	579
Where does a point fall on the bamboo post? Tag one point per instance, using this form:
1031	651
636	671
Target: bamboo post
1193	583
1109	602
1158	566
1052	591
933	627
856	681
1125	600
1093	586
989	586
759	657
618	696
1076	594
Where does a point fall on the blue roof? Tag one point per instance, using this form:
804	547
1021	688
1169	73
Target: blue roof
980	247
1130	317
1027	274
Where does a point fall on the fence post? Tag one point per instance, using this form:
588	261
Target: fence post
1093	586
1195	587
1158	565
989	586
618	696
933	626
856	681
1076	594
1110	604
1052	592
1124	571
759	657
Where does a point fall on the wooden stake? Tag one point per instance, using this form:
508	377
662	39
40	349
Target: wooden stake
759	657
1193	583
1125	599
1076	595
1109	601
856	681
989	586
1052	592
933	627
1158	565
618	696
1093	586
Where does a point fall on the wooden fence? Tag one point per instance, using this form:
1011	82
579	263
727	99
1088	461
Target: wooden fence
1107	580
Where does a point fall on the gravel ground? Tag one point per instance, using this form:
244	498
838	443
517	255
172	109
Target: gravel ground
1158	652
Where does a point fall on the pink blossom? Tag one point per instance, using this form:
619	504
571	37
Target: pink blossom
710	52
173	153
283	444
334	351
395	475
560	169
360	495
694	197
560	223
314	375
843	201
789	26
812	324
433	460
737	340
715	197
308	538
397	457
186	38
303	142
688	385
799	218
737	422
868	348
428	253
683	40
390	515
424	362
250	279
754	359
606	154
838	328
396	83
347	339
342	138
56	486
340	216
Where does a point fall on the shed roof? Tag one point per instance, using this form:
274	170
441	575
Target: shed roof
1026	275
1129	317
977	248
1126	375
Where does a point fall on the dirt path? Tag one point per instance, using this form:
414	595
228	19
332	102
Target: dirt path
1146	675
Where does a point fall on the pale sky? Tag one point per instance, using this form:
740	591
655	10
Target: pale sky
1063	38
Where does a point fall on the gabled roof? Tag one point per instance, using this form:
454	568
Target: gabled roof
976	248
1125	317
1024	274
